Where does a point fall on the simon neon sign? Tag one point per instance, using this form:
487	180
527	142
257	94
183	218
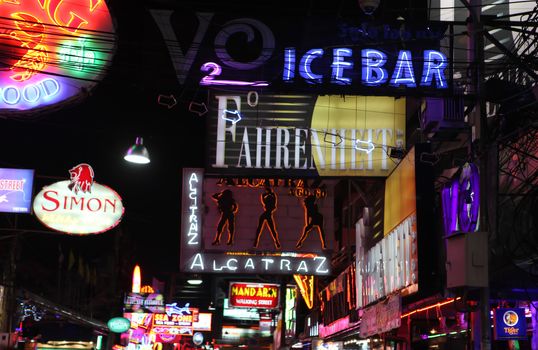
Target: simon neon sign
58	50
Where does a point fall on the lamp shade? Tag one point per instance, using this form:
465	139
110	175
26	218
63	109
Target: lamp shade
137	153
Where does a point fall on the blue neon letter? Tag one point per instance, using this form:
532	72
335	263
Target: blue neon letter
434	66
372	73
305	71
339	65
289	64
403	72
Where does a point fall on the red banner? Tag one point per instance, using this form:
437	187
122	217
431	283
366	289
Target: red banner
254	295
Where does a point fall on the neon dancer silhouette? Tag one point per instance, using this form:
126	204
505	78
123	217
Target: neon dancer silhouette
313	218
269	200
227	207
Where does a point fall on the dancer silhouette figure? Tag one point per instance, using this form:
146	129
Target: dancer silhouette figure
227	207
268	199
313	218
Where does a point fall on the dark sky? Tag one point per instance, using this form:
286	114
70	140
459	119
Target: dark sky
123	106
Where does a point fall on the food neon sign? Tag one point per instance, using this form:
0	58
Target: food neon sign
55	52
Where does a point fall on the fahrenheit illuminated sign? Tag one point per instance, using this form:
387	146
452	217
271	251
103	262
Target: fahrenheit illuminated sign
54	54
254	295
373	67
80	205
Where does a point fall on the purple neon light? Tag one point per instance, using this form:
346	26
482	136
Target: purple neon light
461	202
215	70
469	190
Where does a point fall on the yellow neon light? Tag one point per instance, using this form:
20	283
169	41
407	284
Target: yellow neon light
136	279
306	287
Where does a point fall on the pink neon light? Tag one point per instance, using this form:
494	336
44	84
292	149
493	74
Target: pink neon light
137	278
214	70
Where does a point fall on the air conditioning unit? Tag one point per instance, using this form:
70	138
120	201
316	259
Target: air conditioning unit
467	260
442	114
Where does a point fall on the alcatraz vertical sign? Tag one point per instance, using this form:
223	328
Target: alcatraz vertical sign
191	214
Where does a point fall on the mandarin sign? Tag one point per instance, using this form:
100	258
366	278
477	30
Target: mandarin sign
254	295
59	51
78	206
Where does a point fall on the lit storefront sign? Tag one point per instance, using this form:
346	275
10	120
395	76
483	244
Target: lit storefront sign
144	303
343	58
381	317
119	324
60	50
392	263
510	323
461	201
16	187
78	206
305	135
254	295
233	243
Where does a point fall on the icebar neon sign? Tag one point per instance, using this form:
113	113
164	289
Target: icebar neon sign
373	68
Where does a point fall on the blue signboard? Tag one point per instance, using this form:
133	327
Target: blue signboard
510	324
16	190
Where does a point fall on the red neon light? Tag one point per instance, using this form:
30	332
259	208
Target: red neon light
451	300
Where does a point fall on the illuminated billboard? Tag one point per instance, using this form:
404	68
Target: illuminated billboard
16	187
59	50
407	256
254	295
78	206
239	225
304	135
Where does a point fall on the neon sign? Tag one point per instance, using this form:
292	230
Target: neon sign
254	295
461	201
78	206
374	69
55	55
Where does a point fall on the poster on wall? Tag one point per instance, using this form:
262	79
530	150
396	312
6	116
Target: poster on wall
60	51
256	225
16	186
304	135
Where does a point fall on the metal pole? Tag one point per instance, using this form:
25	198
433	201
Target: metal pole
479	123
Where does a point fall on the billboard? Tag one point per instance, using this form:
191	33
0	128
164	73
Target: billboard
16	187
254	295
144	303
303	135
277	226
78	206
60	51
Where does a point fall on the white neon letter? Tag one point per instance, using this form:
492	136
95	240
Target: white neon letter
434	65
372	73
306	71
403	72
339	65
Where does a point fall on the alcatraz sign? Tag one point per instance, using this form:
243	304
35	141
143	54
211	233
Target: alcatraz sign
210	243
